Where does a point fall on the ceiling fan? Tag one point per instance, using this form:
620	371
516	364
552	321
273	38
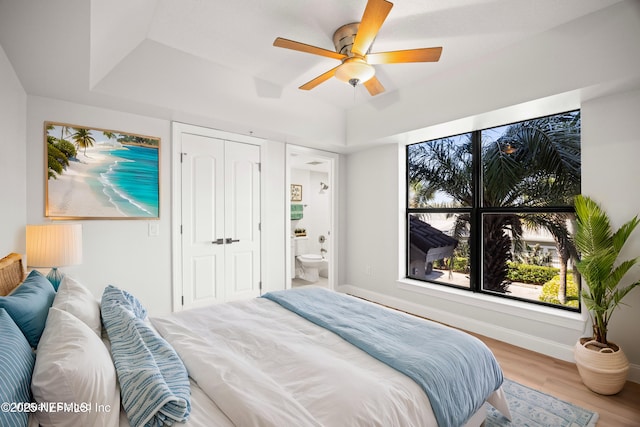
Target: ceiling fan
352	43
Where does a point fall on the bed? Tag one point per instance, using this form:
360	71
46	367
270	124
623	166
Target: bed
308	357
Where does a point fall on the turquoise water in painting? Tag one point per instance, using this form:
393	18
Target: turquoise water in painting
131	181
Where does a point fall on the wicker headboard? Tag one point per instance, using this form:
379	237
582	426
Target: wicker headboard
11	273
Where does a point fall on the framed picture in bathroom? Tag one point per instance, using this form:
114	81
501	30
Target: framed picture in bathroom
296	192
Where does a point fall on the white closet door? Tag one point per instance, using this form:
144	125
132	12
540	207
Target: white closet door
220	220
202	220
242	220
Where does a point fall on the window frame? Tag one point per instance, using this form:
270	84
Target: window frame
476	212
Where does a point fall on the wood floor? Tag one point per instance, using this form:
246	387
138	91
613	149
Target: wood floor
561	379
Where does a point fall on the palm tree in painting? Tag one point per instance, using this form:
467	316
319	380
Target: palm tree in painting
64	130
57	161
109	135
59	151
83	139
533	164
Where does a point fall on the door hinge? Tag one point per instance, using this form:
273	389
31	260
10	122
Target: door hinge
182	156
259	167
259	226
260	286
180	228
183	300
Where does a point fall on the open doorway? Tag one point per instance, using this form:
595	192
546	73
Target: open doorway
311	180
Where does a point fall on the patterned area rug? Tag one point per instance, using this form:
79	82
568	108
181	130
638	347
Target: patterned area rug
532	408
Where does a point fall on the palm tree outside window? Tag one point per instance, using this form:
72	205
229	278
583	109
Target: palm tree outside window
506	195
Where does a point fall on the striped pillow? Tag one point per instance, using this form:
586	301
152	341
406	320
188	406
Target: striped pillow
17	360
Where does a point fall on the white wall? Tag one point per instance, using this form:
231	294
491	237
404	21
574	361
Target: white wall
319	211
374	232
301	177
597	51
316	218
275	220
610	175
538	76
372	208
121	252
116	252
13	161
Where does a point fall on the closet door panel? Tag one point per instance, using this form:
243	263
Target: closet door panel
242	220
202	220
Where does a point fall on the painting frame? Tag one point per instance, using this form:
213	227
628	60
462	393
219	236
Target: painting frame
97	173
296	192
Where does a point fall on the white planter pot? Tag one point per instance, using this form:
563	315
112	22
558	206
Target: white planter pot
603	370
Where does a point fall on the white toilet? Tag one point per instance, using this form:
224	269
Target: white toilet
308	265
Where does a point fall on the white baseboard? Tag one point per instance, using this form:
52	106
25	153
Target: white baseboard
634	373
510	336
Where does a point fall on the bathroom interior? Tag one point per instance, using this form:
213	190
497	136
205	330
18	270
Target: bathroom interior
310	178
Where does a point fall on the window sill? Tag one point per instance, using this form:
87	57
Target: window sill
538	313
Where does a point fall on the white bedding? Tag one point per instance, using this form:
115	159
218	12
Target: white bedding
204	413
263	365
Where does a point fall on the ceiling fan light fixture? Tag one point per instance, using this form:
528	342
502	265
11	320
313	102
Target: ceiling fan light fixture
353	43
355	69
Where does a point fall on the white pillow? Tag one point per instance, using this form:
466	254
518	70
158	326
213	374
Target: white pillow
76	299
74	366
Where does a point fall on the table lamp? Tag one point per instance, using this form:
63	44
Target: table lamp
53	246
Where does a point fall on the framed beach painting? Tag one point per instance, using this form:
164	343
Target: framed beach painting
94	173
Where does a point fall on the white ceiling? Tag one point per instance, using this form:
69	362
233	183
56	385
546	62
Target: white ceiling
213	61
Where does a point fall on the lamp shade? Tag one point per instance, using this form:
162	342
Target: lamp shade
54	245
355	68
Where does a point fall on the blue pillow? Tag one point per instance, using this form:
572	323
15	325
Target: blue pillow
17	361
29	305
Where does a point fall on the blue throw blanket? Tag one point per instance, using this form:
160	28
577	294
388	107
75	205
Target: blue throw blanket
154	384
456	370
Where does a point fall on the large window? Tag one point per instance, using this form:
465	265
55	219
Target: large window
492	210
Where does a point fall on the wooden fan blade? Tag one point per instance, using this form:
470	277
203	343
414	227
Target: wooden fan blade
320	79
372	19
374	86
307	48
427	54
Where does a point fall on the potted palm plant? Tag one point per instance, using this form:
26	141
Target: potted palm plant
602	364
